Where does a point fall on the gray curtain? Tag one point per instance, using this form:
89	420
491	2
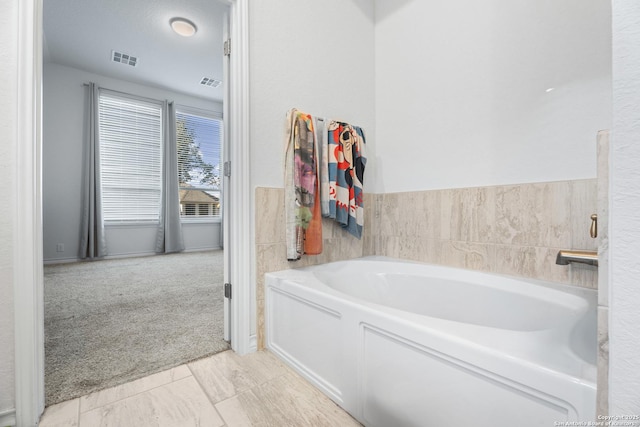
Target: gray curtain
170	228
92	243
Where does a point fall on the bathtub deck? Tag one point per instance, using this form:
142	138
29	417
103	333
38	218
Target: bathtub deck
222	390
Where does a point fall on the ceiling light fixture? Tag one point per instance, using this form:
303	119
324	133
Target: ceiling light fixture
183	26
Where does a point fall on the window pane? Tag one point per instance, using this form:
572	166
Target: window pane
130	134
200	199
199	141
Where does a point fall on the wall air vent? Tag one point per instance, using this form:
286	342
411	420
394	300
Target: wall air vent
208	81
124	58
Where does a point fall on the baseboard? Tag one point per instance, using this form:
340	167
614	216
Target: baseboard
124	255
60	261
8	418
253	343
203	249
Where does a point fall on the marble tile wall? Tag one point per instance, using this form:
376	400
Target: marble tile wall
512	229
271	250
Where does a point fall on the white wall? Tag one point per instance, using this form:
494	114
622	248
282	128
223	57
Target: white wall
64	103
460	91
624	263
317	56
314	56
8	84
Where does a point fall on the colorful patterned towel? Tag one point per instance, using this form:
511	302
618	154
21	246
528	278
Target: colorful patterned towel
346	165
300	182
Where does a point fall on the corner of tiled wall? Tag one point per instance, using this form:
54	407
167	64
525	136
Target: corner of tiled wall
603	273
271	254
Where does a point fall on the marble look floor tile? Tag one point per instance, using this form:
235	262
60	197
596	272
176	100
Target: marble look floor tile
287	400
113	394
232	412
227	374
63	414
180	403
265	363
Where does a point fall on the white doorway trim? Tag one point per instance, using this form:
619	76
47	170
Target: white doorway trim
27	242
240	227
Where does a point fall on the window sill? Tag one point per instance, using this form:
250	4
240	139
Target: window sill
201	220
131	225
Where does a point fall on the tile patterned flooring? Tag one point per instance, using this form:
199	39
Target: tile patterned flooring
222	390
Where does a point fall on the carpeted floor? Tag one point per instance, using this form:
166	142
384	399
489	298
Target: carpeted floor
109	322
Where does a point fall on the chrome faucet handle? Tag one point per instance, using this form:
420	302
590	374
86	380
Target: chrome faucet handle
593	230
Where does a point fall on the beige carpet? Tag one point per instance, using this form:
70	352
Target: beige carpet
109	322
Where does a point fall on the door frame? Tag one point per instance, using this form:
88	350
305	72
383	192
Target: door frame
27	242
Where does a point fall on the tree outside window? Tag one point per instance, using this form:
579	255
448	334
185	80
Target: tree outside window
199	141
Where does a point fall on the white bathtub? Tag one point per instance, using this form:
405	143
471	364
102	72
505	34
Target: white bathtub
407	344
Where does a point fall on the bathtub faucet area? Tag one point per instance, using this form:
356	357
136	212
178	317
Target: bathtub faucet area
565	257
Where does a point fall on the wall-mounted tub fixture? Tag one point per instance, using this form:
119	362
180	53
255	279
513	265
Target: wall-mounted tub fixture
583	257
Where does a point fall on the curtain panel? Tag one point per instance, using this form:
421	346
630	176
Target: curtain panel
92	241
170	237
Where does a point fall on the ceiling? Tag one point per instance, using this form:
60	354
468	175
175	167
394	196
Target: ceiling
82	34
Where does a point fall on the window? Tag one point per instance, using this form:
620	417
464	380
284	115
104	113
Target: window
199	140
130	132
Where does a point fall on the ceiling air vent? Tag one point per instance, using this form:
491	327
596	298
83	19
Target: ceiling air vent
124	58
208	81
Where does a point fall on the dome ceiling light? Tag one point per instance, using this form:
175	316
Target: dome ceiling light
183	27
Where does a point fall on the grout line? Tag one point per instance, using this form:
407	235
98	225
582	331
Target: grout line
207	395
135	394
79	411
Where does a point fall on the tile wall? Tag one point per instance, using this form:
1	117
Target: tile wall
512	229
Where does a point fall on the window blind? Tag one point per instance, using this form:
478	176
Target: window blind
130	157
199	140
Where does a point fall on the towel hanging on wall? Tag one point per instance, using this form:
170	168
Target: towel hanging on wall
346	165
324	175
303	228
